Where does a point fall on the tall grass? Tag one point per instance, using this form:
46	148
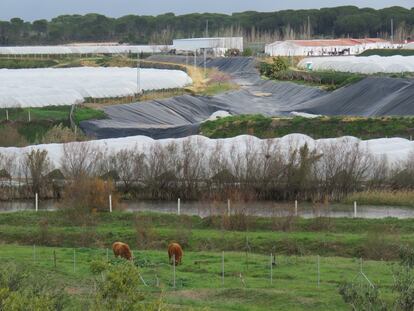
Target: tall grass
382	197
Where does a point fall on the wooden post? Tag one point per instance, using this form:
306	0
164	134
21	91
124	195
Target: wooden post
74	260
271	269
54	258
174	271
36	202
222	268
179	207
319	271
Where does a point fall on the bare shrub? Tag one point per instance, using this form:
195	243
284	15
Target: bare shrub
283	218
146	236
160	176
380	246
85	196
342	168
191	168
36	165
79	160
10	137
129	165
59	134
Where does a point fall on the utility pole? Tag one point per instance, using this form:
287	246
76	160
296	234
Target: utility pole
138	75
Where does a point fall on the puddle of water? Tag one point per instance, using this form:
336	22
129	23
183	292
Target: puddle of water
263	209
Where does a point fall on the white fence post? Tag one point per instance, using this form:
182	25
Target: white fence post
179	207
355	209
36	202
7	114
296	208
222	268
228	208
110	203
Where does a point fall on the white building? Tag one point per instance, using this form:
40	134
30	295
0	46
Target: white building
325	47
218	46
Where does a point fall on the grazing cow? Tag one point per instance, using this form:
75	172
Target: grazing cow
122	250
175	250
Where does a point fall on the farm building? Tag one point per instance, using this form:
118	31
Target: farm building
217	46
329	47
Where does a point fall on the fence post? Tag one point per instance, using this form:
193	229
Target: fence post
54	258
107	254
296	208
319	271
228	208
7	114
355	209
271	269
179	207
36	202
34	252
74	260
110	203
30	118
174	271
222	268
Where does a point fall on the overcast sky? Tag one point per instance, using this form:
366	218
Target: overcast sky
38	9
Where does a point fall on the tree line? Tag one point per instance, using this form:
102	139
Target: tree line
344	21
193	170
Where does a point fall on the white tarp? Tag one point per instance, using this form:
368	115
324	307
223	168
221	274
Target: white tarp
394	150
366	65
82	49
67	86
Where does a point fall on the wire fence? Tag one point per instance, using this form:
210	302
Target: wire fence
211	270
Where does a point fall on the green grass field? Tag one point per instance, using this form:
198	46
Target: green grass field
21	132
323	127
247	279
34	240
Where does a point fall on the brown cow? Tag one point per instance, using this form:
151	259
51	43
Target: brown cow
175	250
122	250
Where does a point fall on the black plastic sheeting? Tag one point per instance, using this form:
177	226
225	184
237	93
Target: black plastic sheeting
369	97
182	115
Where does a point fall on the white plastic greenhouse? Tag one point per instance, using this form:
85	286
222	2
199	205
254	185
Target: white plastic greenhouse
82	49
52	87
366	65
393	149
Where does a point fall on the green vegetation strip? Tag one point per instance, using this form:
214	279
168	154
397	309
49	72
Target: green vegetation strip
371	239
387	52
322	127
